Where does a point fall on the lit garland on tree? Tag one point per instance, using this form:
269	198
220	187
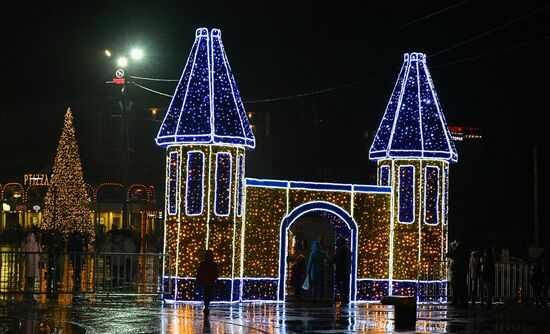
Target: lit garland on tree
66	206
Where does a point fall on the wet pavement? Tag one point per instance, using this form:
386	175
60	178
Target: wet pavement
132	315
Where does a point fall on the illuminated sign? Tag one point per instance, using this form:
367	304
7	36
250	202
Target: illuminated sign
36	180
119	81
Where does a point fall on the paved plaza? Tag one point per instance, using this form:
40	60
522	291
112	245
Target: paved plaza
124	315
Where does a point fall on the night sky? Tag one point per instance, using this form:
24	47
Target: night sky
488	61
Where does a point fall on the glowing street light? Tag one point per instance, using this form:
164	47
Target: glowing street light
136	54
122	61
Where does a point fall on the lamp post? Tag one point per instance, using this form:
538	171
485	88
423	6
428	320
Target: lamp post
122	65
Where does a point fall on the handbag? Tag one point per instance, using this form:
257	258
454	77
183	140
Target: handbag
305	286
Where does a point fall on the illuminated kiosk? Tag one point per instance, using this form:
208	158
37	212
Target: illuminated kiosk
397	230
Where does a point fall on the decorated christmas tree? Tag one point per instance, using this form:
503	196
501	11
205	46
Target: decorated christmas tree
66	207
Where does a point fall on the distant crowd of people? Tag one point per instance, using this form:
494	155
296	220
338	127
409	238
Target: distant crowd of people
311	275
476	270
47	250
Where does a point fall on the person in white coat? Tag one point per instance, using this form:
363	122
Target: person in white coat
31	250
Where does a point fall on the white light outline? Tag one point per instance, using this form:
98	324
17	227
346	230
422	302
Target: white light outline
235	223
403	67
189	80
178	203
421	129
175	195
240	181
450	146
401	280
225	62
283	184
436	195
211	137
243	234
176	90
216	185
207	241
211	85
392	227
386	168
399	197
450	153
166	187
187	184
421	205
399	102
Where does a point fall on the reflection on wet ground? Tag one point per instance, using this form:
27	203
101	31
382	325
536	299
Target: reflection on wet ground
124	315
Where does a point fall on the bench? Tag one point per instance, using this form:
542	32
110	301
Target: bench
405	311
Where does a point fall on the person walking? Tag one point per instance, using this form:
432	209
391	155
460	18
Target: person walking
342	269
316	270
545	267
298	273
488	276
117	261
207	274
75	248
475	275
55	246
31	250
459	271
537	281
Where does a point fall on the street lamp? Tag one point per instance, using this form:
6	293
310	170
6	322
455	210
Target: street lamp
122	65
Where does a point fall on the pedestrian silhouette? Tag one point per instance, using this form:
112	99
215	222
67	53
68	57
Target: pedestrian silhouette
298	273
459	271
537	281
488	276
475	275
31	250
545	266
207	274
316	270
342	269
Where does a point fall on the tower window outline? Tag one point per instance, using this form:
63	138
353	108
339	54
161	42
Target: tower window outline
435	197
411	209
173	191
385	175
223	212
200	188
240	184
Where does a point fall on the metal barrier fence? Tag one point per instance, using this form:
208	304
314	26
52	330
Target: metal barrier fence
98	273
512	282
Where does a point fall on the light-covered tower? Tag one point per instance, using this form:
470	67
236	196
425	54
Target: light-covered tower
413	149
205	132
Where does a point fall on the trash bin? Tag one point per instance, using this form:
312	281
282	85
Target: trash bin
405	311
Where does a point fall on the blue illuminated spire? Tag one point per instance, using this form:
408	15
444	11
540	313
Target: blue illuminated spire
413	125
206	107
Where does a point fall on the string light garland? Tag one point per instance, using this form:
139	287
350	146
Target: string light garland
66	205
394	229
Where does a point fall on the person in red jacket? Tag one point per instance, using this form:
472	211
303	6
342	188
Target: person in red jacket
207	274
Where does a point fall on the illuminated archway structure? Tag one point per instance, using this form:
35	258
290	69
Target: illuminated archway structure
398	228
338	214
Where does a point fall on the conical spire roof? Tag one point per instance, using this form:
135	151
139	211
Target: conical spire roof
413	125
206	107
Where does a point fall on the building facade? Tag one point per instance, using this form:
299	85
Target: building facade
22	205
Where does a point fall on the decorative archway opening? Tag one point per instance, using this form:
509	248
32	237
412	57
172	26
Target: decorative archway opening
342	224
